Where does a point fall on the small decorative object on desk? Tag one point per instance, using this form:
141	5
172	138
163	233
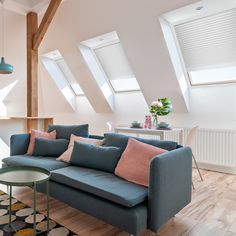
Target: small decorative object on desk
164	126
148	122
136	124
161	107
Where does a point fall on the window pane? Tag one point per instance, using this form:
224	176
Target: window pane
69	76
211	76
121	85
114	62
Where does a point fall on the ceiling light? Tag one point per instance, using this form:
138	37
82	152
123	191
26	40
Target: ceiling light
199	8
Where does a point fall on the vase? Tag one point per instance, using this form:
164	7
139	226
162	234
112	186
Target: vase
155	122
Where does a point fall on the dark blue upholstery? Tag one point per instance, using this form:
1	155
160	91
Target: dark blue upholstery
65	131
170	186
132	220
95	157
102	184
50	148
120	140
19	144
96	136
49	163
108	197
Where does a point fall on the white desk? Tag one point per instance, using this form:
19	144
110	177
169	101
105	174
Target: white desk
159	132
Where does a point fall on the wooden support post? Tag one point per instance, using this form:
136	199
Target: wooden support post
47	121
32	66
35	36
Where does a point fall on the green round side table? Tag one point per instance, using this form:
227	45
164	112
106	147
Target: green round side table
25	176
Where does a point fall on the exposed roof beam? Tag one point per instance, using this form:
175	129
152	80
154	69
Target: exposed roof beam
48	16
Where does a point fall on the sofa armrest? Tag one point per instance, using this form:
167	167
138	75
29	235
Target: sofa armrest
170	186
19	144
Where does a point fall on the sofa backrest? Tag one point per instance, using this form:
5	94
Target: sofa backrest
65	131
120	140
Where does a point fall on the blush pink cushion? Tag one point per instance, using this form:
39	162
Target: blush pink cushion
39	134
135	161
67	154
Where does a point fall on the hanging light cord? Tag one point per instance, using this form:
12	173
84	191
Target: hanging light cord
3	12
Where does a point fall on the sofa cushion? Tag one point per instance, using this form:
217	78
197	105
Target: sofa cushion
95	157
39	134
65	131
134	163
50	148
102	184
48	163
121	141
67	154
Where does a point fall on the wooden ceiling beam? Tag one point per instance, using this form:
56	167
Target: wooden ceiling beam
43	27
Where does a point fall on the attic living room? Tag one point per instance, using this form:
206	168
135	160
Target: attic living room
117	118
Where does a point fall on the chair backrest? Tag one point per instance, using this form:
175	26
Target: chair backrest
111	126
191	137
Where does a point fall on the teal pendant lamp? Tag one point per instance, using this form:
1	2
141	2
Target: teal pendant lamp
4	67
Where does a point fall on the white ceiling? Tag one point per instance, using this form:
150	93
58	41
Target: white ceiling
190	12
25	6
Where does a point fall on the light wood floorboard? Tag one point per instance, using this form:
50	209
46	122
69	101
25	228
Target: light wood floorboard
212	211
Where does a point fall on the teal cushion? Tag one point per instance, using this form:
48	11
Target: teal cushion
49	163
120	140
65	131
50	148
95	157
102	184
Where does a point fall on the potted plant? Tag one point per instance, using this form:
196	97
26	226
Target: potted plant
161	107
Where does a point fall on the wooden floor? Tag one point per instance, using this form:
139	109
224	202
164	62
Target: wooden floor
212	211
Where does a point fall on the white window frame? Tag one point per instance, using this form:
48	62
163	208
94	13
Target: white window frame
209	83
55	59
103	41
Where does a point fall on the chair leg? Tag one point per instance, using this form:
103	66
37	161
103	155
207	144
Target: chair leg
193	186
197	168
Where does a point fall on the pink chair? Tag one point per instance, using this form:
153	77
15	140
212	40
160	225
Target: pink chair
189	143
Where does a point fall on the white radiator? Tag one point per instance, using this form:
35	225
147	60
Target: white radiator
213	149
216	147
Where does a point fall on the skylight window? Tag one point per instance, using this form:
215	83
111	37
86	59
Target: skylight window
213	76
110	57
60	70
208	48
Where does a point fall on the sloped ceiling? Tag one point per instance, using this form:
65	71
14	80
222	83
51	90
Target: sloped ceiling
25	6
139	30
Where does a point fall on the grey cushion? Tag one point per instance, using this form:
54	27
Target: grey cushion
95	157
49	163
102	184
65	131
120	140
50	148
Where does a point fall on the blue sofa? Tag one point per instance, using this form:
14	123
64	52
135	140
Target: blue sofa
130	207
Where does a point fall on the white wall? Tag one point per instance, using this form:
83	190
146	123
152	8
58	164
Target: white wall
78	20
140	33
139	30
15	54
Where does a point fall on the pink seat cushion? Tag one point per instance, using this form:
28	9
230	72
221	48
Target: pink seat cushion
135	161
39	134
67	154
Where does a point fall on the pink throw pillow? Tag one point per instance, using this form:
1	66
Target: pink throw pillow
67	154
39	134
134	163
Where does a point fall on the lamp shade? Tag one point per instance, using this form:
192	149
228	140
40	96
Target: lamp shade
5	68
